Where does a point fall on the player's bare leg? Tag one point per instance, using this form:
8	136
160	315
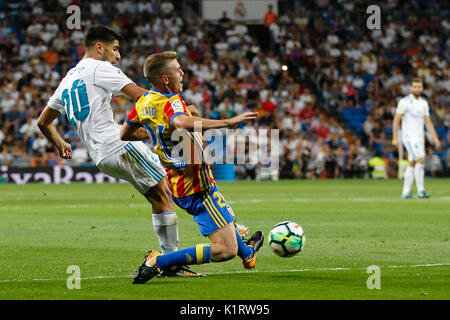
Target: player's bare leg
226	243
160	197
223	244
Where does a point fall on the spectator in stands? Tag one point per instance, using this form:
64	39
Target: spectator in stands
224	22
79	154
269	16
327	71
287	167
306	114
433	165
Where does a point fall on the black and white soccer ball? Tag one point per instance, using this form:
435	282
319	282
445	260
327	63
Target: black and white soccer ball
286	239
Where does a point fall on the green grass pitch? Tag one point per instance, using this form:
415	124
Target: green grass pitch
349	225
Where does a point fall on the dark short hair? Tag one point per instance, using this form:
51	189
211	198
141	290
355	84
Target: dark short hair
100	33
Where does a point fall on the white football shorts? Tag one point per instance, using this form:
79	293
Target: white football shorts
416	149
136	164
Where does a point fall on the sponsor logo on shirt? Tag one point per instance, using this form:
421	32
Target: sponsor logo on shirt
177	106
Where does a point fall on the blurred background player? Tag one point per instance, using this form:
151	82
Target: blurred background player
84	96
162	111
413	111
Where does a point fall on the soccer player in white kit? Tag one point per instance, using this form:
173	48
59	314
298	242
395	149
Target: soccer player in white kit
413	112
84	95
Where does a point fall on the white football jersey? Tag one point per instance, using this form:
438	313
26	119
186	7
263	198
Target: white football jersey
413	120
84	95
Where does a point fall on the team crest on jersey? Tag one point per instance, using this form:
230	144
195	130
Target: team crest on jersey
177	106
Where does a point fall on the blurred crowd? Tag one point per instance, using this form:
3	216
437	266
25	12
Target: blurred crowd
316	73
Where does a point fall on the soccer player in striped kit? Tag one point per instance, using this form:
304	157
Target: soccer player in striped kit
162	111
413	112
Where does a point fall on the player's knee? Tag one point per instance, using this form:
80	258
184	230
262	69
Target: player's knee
228	254
232	252
220	252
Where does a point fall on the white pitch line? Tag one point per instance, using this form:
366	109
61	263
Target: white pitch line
136	205
240	272
327	200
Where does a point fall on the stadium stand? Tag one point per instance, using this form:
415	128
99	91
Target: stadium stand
323	79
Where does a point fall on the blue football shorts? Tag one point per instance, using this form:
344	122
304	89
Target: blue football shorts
209	209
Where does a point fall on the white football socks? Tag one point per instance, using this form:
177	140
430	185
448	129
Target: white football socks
166	228
419	172
408	179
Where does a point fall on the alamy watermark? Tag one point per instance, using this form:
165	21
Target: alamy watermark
247	146
374	281
73	22
74	280
373	22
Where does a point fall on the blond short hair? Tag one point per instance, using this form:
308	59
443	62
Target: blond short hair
155	65
417	80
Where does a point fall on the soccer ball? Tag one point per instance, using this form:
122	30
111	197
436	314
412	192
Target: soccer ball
286	239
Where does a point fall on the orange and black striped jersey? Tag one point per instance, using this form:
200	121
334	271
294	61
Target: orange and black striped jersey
187	172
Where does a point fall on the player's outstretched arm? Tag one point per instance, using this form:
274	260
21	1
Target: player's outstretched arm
430	128
190	123
134	91
48	129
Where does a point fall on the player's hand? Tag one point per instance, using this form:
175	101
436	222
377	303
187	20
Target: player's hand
65	150
437	143
243	117
395	143
193	110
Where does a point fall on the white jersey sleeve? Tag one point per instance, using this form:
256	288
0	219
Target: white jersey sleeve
401	107
110	78
56	103
427	109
